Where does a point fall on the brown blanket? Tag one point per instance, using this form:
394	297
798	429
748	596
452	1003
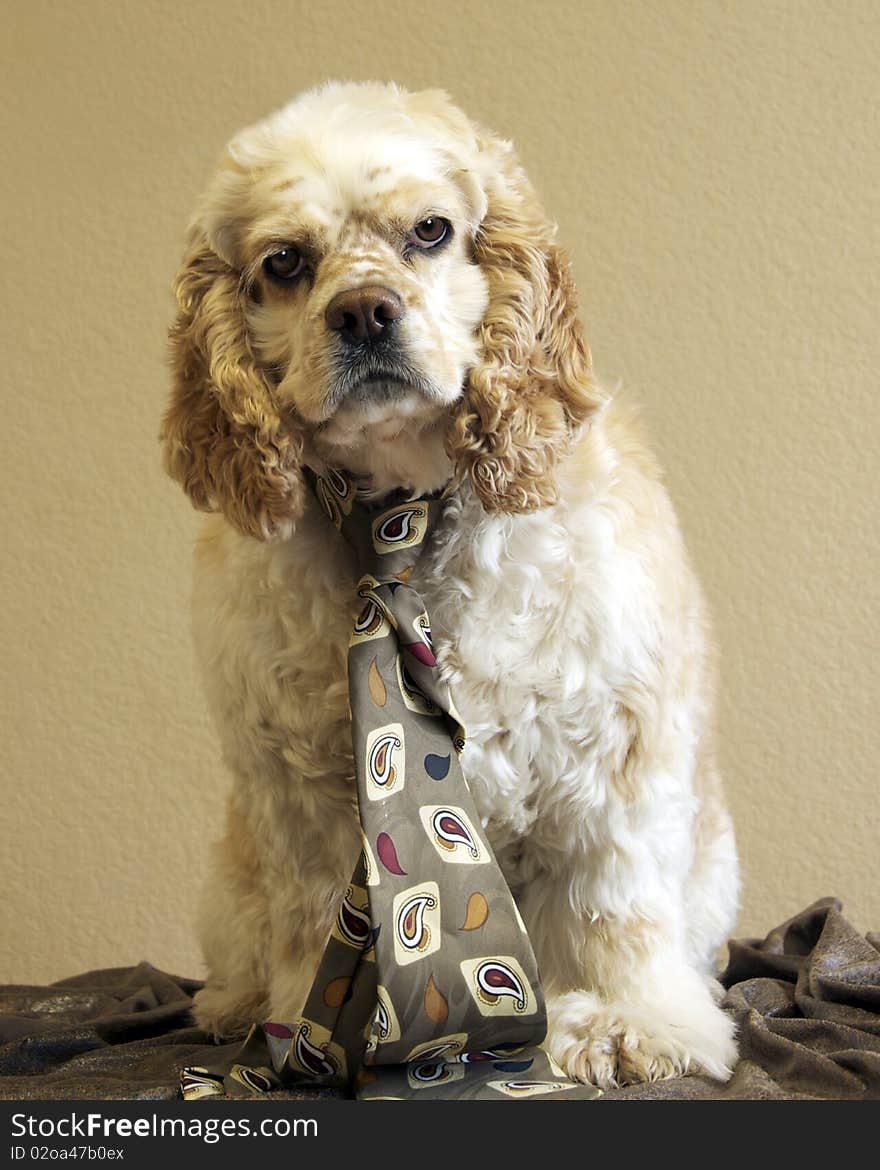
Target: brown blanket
806	999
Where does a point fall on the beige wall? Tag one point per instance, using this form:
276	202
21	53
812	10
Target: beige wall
715	170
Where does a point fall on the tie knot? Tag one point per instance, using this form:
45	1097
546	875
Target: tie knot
388	535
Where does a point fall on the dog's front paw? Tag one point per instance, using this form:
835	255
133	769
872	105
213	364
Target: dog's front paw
617	1043
224	1014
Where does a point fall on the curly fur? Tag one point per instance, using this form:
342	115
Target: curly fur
533	388
224	439
564	609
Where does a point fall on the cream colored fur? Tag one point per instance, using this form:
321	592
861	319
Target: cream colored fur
567	618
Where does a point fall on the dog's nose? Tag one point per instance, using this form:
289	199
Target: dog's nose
363	314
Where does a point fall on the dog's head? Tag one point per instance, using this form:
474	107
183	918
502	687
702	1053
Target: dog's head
370	277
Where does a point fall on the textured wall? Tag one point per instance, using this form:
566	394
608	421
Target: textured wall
714	168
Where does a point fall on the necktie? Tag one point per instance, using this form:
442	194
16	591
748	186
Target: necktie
428	986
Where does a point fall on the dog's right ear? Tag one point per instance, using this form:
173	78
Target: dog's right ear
225	439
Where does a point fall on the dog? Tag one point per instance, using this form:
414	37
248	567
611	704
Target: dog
370	284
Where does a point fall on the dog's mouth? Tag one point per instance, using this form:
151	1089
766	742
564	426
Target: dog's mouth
373	381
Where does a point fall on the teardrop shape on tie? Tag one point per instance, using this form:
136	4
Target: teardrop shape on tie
436	1006
376	685
281	1031
437	767
477	912
421	652
337	991
387	853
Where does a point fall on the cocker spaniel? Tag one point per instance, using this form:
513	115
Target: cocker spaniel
371	284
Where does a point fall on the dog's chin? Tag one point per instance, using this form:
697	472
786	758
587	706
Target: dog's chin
379	410
389	431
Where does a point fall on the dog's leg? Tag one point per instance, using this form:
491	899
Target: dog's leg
267	912
649	1014
234	930
626	999
303	907
712	887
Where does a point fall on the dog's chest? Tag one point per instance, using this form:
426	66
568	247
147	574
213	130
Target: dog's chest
518	611
518	629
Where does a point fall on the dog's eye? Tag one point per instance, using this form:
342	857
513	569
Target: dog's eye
286	264
430	232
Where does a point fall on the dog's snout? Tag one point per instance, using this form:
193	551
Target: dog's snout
363	314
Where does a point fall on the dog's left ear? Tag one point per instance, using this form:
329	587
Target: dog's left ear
533	388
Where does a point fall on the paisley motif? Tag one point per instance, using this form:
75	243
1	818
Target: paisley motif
411	929
384	1029
382	1021
500	987
381	771
385	765
423	649
413	698
451	830
415	914
488	1054
452	834
197	1083
370	622
309	1057
443	1048
258	1079
529	1088
400	527
371	872
341	487
432	1072
353	923
495	979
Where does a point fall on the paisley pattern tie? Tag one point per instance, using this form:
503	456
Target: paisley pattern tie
428	986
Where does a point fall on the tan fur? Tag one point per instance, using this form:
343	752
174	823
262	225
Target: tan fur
225	440
565	611
533	388
234	446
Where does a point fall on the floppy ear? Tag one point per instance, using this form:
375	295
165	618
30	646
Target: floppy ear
533	387
224	438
